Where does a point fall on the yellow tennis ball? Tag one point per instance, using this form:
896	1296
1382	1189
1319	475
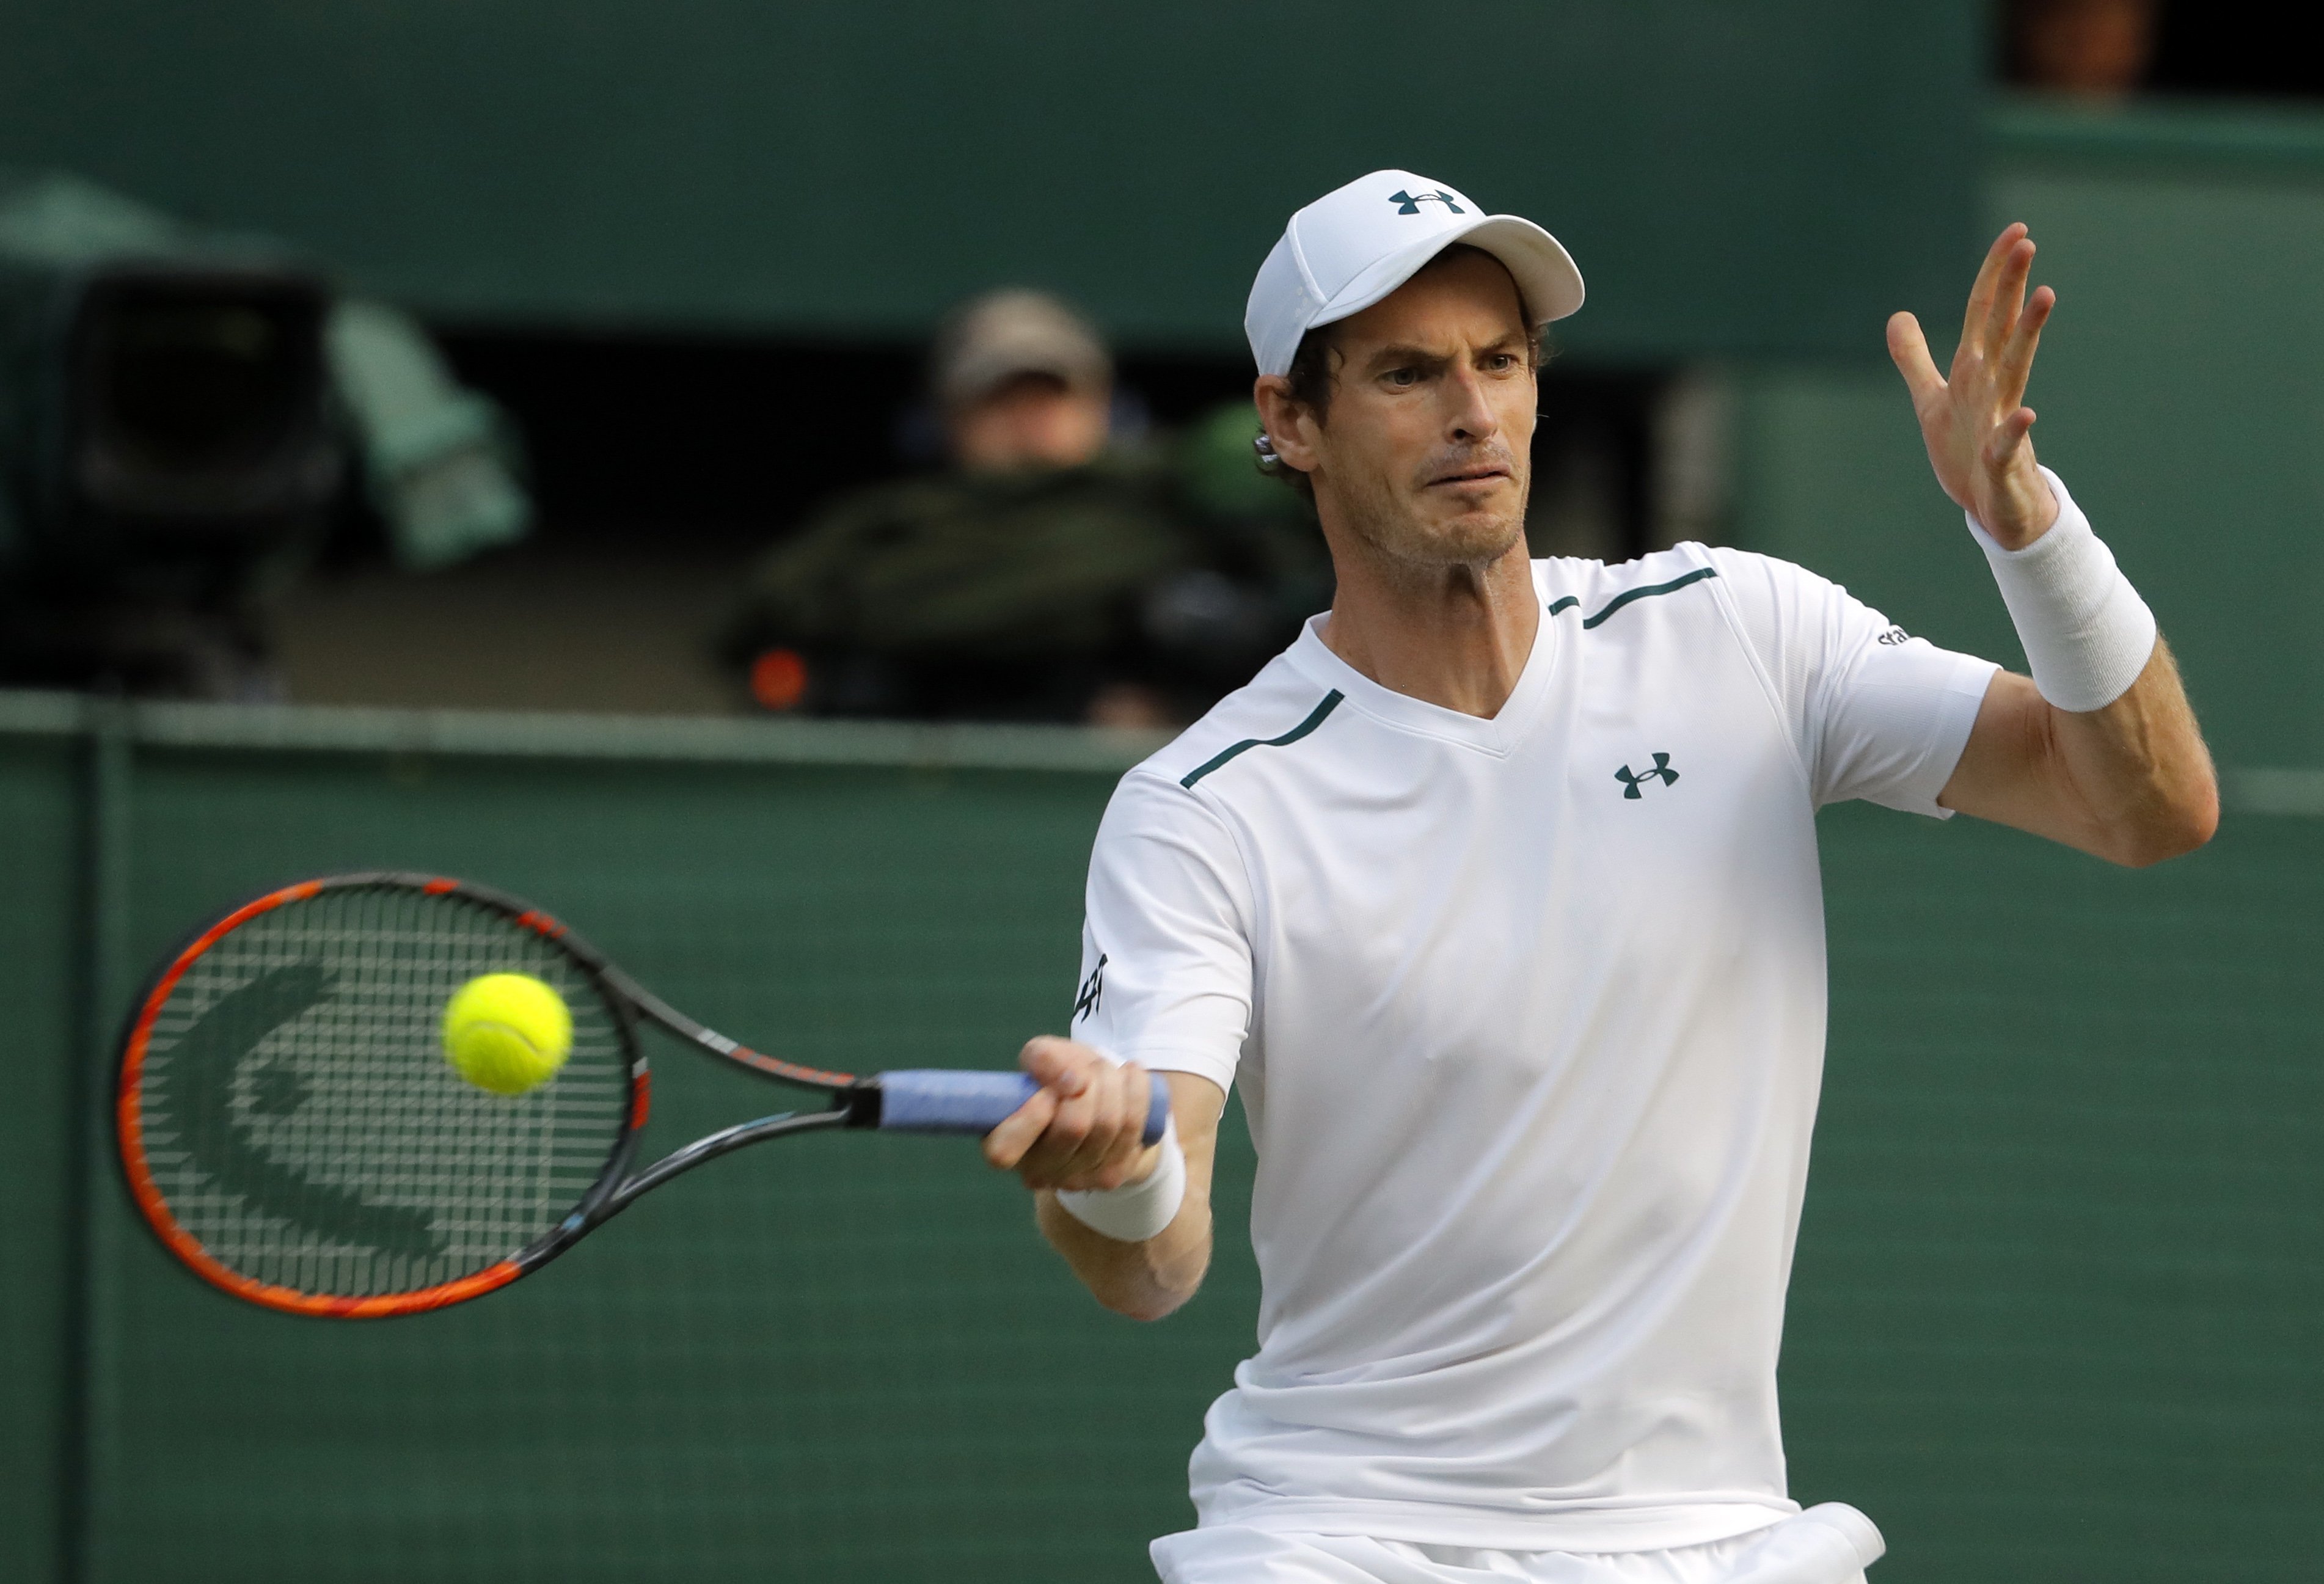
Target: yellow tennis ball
507	1032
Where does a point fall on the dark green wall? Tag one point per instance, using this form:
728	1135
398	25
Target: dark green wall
2180	388
2054	1317
40	868
1763	177
2055	1312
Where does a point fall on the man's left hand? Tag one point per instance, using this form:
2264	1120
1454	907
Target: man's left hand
1974	419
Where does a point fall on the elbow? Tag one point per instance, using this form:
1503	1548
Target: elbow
1156	1291
2174	829
1155	1298
1145	1307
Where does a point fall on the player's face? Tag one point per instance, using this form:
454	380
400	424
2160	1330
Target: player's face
1425	451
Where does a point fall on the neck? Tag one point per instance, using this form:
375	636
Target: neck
1456	636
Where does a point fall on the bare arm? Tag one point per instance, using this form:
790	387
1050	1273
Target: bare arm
1148	1280
1082	1131
2130	782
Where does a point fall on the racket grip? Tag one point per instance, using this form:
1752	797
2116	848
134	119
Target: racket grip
942	1100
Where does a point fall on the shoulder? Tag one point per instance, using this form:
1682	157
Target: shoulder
1752	576
1784	608
1279	705
1768	597
1598	593
1157	826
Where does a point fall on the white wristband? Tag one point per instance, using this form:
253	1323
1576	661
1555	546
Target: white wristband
2087	634
1140	1210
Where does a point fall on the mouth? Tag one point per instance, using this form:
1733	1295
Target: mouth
1470	475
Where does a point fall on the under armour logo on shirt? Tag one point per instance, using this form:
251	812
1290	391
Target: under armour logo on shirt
1410	203
1631	779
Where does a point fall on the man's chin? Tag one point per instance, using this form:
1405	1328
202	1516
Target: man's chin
1470	538
1430	530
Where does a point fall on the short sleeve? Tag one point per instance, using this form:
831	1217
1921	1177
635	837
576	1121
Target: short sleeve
1875	713
1165	938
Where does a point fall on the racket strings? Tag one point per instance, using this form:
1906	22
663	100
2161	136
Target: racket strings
300	1122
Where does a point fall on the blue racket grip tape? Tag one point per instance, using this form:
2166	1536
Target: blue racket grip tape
941	1099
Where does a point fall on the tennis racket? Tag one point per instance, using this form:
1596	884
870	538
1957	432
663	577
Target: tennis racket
291	1131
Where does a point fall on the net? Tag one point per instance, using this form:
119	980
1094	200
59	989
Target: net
301	1122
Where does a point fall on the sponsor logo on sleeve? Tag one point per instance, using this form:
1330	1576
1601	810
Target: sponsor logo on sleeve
1092	992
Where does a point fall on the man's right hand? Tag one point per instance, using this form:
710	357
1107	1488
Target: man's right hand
1083	1128
1973	418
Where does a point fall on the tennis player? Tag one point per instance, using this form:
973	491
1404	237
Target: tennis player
1497	892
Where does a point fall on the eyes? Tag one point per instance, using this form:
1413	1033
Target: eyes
1411	376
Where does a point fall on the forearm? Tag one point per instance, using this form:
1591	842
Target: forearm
1144	1281
2099	748
2138	770
2131	782
1142	1276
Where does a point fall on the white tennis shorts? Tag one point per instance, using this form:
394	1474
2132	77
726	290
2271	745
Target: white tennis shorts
1833	1544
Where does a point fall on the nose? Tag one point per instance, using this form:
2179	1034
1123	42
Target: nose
1471	417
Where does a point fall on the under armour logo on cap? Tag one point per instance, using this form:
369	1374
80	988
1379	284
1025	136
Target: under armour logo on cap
1409	205
1352	247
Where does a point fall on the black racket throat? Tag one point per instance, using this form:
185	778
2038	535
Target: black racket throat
857	1106
627	1189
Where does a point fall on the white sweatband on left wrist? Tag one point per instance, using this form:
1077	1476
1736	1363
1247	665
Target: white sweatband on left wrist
2087	634
1140	1210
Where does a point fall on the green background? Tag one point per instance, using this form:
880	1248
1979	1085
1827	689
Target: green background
2054	1315
2180	389
859	167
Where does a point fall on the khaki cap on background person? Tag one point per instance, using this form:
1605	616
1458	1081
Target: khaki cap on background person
1006	335
1357	243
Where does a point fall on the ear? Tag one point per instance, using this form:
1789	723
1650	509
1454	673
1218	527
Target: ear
1290	427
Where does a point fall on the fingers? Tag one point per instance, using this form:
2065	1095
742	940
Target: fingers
1006	1144
1910	350
2016	364
2008	297
1081	1129
1062	1064
1057	1065
2002	326
1987	286
2008	437
1111	1145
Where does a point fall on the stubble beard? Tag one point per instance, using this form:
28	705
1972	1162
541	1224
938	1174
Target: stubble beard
1413	551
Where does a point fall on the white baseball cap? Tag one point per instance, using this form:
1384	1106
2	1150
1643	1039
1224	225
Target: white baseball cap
1355	245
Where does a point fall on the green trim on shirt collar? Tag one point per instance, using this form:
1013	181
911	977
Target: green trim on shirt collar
1331	699
1315	719
1628	595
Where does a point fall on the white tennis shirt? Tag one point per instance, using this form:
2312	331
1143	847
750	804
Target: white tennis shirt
1528	1015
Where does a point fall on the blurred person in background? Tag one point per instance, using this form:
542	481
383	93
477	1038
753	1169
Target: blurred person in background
1050	572
2094	50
